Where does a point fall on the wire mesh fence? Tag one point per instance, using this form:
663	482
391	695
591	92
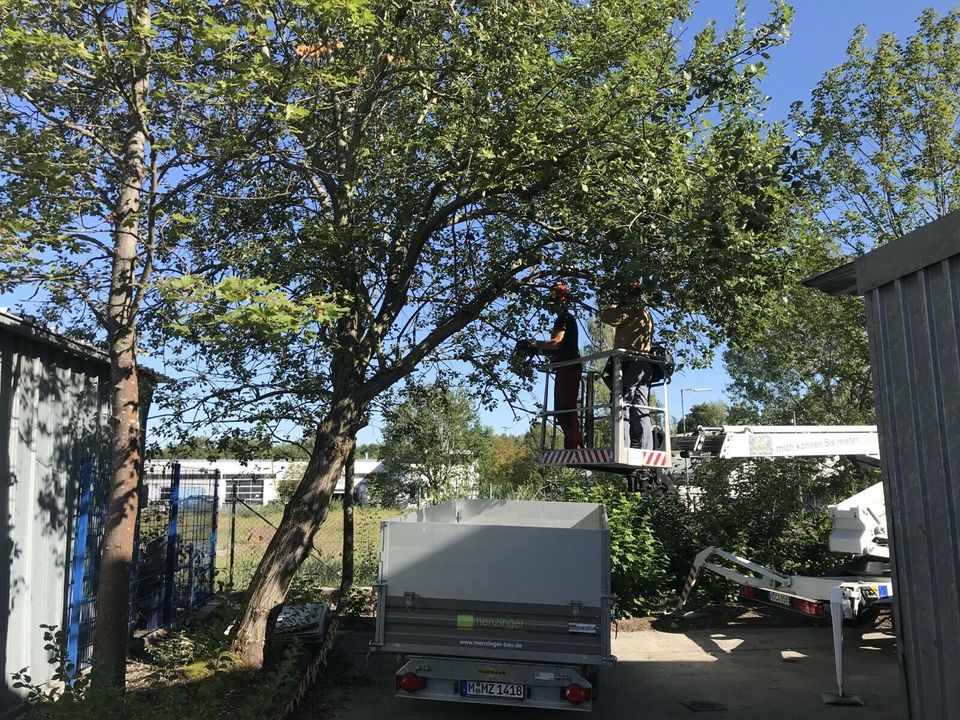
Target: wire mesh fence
174	550
247	529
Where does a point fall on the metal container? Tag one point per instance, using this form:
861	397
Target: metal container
912	291
54	411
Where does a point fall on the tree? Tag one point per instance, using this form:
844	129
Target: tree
231	447
882	131
706	414
436	167
510	466
87	139
106	131
432	442
882	140
370	450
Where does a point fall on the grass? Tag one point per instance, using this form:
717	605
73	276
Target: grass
188	674
323	567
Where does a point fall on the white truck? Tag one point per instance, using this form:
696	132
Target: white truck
497	602
859	522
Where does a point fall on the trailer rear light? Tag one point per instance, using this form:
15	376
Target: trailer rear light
748	592
575	694
808	608
411	682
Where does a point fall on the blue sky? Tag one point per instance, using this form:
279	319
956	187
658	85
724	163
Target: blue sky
820	32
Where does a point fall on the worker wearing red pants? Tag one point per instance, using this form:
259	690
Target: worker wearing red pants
563	345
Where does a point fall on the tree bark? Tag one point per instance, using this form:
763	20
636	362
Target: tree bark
346	575
116	559
303	515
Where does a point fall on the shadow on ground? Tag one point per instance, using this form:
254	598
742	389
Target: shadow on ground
741	665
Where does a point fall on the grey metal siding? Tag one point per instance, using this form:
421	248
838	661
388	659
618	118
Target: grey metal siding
914	324
54	410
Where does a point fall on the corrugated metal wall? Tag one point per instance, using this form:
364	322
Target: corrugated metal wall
54	410
912	290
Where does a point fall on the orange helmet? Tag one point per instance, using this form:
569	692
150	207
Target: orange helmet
561	291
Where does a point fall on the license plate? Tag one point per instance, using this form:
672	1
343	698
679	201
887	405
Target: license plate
778	598
483	688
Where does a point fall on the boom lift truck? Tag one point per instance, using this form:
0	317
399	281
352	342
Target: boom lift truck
862	586
859	522
860	528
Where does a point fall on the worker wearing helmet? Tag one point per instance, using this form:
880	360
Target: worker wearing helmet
562	346
634	332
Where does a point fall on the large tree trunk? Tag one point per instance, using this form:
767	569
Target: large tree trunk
303	515
113	604
346	576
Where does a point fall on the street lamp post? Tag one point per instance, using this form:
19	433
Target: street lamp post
683	425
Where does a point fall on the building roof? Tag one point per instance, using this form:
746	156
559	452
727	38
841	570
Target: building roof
31	328
839	281
922	248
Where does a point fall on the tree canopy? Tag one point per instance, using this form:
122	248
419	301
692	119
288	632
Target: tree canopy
435	167
880	142
882	133
375	187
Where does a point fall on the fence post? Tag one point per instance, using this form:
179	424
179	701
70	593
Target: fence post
166	617
78	566
233	532
213	528
347	553
134	593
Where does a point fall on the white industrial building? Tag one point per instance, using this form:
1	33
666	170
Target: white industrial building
255	481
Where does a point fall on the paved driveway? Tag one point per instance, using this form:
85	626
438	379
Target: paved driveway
754	673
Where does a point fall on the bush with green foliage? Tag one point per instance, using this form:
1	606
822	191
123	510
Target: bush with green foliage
639	564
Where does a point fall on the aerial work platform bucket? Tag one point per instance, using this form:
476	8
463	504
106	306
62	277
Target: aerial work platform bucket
603	417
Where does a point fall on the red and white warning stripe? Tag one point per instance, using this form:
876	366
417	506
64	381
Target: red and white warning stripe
688	586
654	458
579	456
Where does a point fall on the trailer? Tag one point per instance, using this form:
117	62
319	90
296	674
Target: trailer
497	602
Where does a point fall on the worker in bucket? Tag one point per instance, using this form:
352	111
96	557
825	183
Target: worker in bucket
634	332
563	345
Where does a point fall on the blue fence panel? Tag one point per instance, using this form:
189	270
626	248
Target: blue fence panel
174	551
89	522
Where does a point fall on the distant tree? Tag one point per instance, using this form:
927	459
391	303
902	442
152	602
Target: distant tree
881	139
706	414
370	450
232	447
509	467
287	483
432	443
814	367
882	133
